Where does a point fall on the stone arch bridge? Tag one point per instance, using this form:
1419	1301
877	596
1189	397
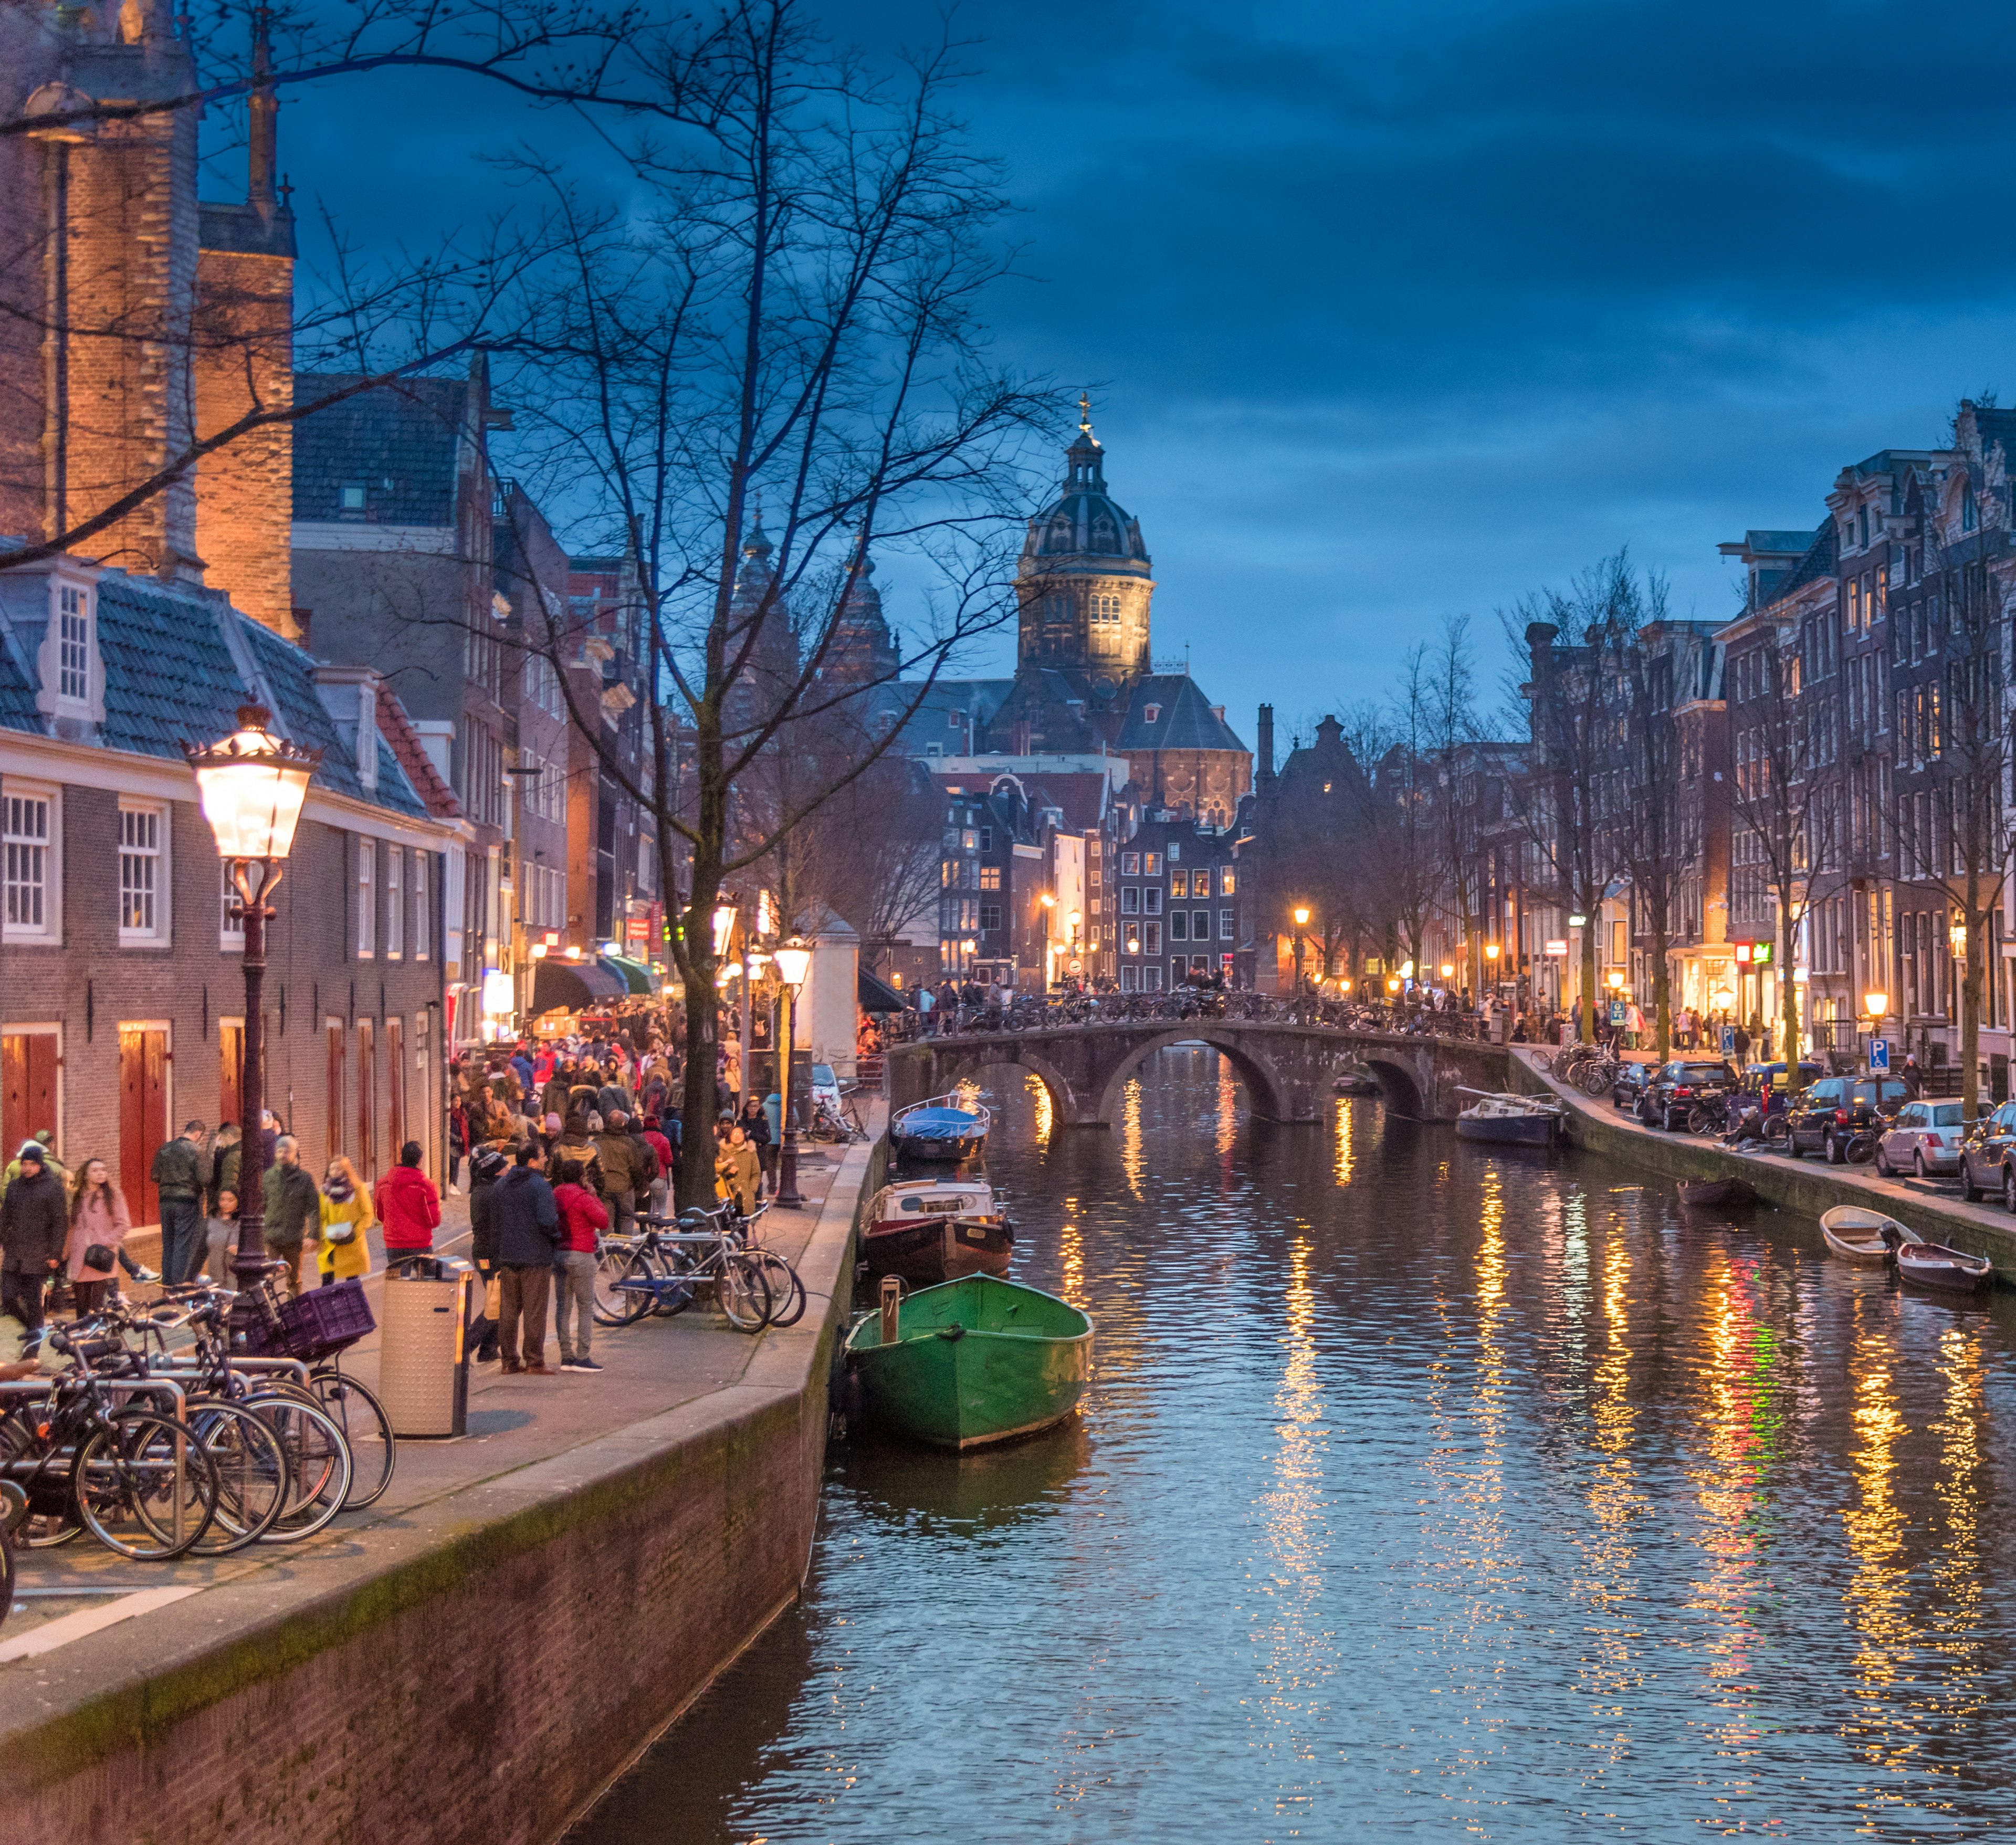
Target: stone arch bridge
1289	1070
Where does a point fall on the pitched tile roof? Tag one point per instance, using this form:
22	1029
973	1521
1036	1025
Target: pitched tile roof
1184	719
400	443
405	743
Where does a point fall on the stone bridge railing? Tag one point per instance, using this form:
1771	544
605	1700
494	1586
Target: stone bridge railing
1290	1071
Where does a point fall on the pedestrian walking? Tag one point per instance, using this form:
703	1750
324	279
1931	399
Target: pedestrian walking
408	1206
293	1210
344	1226
755	1125
623	1160
99	1222
582	1216
225	1153
525	1223
656	1139
34	1225
1742	1042
735	1171
487	1166
181	1174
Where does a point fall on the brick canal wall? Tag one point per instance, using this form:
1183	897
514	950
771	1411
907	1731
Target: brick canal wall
1808	1184
489	1667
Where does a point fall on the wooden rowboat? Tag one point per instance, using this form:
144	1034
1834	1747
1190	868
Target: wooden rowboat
1730	1194
936	1229
975	1361
1856	1234
1951	1271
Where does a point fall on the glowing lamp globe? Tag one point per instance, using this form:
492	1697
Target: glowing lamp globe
794	962
1301	916
253	785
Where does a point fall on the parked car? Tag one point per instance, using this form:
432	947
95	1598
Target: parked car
1923	1138
1822	1119
1627	1087
1676	1087
1987	1157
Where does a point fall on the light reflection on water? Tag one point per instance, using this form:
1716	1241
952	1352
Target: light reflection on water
1422	1491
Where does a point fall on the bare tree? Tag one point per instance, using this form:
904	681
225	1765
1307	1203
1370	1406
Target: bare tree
787	308
1647	803
1453	727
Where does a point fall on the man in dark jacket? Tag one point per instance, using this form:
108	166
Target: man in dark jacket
181	1175
485	1169
293	1207
524	1224
34	1223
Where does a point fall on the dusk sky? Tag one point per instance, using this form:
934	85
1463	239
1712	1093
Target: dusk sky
1389	312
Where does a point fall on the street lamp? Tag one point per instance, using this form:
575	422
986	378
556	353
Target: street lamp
1302	915
1876	1005
795	961
1448	970
1615	978
253	786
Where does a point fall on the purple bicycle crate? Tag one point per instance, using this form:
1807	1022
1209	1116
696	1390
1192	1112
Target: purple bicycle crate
337	1315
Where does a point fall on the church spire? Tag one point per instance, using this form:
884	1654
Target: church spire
262	137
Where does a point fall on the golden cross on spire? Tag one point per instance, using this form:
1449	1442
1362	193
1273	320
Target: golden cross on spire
1085	412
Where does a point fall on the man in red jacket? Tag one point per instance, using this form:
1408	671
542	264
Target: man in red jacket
408	1207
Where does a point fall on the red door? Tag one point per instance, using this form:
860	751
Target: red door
143	1117
231	1073
395	1086
367	1103
332	1119
27	1087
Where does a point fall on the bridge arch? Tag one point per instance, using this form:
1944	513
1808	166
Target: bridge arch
1264	1088
961	1059
1396	1084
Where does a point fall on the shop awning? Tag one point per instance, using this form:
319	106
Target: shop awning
575	986
636	977
876	994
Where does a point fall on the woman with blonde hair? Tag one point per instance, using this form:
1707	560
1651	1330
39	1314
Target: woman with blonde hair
345	1251
99	1222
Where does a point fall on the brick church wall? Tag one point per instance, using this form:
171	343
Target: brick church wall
25	63
243	360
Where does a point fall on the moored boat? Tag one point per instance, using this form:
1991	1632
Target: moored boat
1950	1271
1856	1233
1729	1194
974	1361
1508	1120
942	1128
936	1229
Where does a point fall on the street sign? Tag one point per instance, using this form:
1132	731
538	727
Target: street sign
1879	1053
1729	1040
1617	1012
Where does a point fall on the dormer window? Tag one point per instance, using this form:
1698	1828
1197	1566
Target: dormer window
73	643
72	679
1151	714
350	499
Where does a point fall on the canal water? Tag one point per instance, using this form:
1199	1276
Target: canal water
1424	1491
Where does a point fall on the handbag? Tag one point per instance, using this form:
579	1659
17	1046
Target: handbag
342	1230
100	1257
493	1298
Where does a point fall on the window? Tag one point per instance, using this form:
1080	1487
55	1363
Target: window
367	899
31	878
1200	925
1151	864
1105	608
423	920
986	839
1179	885
1151	980
143	880
1151	900
1130	980
73	643
350	499
230	927
1226	930
990	916
1151	714
1130	900
1151	936
1179	925
1130	864
395	891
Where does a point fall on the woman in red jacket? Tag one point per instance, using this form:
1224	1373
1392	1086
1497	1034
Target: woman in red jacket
582	1214
408	1207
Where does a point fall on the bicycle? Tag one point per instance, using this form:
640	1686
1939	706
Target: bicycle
663	1271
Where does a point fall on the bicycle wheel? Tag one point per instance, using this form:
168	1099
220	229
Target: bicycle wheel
786	1291
318	1460
1543	1062
51	1517
615	1305
1594	1081
252	1477
744	1291
146	1487
374	1450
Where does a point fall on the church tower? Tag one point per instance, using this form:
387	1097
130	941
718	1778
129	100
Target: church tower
861	652
1083	585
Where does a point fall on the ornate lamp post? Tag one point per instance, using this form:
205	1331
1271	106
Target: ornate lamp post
1301	916
795	961
253	786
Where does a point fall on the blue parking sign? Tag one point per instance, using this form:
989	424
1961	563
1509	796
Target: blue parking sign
1879	1053
1617	1012
1729	1040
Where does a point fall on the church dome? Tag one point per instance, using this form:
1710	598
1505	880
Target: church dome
1084	520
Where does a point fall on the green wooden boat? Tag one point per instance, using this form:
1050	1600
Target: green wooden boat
976	1360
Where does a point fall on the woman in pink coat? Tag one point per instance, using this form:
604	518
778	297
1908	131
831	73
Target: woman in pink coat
99	1220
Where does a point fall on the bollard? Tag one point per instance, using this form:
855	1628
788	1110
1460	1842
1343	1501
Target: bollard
892	1300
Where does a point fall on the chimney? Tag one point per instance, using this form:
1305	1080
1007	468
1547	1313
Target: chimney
261	128
1264	764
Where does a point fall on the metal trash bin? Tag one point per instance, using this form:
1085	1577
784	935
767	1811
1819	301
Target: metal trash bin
423	1353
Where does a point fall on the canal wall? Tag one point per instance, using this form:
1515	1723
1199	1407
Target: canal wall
1807	1184
486	1664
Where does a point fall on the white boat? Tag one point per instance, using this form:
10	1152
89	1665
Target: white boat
937	1230
1509	1120
1856	1234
